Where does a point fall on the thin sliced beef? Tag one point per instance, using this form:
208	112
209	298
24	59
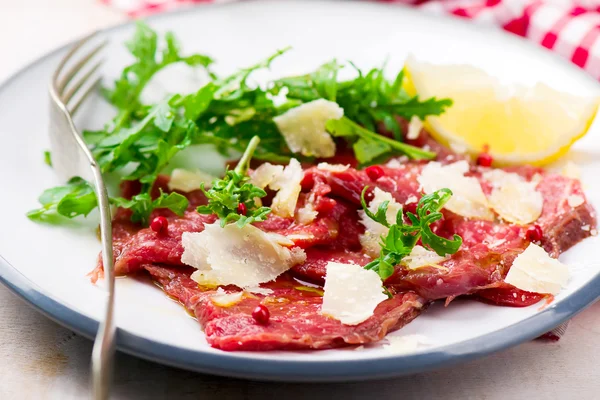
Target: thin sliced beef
313	269
295	322
134	245
564	225
488	249
506	295
148	246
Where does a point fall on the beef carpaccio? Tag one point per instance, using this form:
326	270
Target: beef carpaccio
478	269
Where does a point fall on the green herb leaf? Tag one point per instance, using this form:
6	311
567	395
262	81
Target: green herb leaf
428	212
402	237
142	205
148	61
369	146
75	198
47	158
226	194
367	100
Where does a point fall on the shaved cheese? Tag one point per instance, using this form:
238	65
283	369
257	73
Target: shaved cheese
535	271
411	199
571	170
467	198
373	230
303	128
300	236
332	167
264	175
245	257
513	198
258	290
575	200
288	186
397	162
421	257
284	180
405	344
186	181
458	148
224	299
306	214
351	293
414	128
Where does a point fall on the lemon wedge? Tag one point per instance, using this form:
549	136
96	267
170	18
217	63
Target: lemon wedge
520	125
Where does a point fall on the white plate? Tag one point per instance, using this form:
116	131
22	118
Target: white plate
48	265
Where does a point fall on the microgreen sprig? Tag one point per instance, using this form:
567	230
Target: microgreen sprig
226	195
403	236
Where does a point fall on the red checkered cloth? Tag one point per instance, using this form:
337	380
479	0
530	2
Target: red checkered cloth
571	28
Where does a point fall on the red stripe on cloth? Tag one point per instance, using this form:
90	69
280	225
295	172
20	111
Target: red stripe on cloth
582	52
471	10
520	25
551	37
461	12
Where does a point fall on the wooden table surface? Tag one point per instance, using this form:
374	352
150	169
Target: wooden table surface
42	360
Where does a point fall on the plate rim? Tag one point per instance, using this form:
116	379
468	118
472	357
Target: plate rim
246	367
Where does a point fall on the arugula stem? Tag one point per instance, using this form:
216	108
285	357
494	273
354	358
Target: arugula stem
411	151
244	163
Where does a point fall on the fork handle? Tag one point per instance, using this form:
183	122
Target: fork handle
104	344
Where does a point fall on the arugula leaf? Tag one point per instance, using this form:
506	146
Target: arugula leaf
369	146
47	158
402	237
142	205
321	83
367	100
228	112
75	198
227	194
428	212
148	61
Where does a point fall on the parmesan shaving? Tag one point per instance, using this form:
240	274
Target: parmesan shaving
288	186
264	175
187	181
259	290
421	257
405	344
332	167
303	128
224	299
458	148
575	200
571	170
374	230
245	257
513	198
467	198
351	293
414	128
411	199
306	214
397	162
535	271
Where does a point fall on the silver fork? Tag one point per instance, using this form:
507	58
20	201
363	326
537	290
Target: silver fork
71	84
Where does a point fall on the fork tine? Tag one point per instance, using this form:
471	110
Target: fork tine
75	68
85	94
68	56
73	90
